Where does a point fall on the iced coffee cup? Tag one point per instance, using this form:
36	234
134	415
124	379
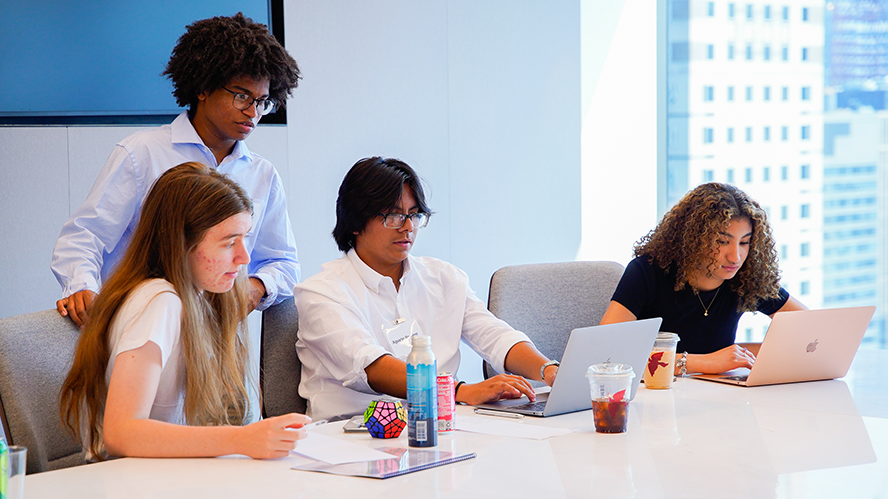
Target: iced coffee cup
660	369
610	385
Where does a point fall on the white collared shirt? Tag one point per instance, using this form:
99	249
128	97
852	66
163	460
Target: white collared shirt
346	308
96	236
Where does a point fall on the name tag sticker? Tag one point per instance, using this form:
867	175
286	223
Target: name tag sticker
399	334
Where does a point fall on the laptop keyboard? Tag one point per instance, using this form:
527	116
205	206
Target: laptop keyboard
531	406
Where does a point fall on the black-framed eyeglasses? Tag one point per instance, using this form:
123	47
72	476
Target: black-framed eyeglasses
397	220
242	102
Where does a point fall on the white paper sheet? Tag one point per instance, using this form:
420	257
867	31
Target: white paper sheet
495	426
336	451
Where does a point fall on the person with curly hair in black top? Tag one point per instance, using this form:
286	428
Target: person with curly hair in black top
228	72
710	259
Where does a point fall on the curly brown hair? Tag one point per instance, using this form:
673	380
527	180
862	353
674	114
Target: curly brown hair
214	51
687	234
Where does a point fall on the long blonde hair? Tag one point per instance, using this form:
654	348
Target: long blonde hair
184	203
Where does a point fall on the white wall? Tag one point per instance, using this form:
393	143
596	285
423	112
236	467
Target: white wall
481	98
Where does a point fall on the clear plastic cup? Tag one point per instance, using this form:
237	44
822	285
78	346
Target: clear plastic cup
610	386
15	472
660	369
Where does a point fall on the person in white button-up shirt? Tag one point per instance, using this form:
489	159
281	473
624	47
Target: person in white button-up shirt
357	315
229	72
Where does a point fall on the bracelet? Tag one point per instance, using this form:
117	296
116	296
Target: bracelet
456	389
683	364
547	364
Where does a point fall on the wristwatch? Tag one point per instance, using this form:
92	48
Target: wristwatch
547	364
683	364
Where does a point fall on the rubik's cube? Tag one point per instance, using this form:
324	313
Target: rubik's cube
385	418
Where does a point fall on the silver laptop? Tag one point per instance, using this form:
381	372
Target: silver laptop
804	345
623	343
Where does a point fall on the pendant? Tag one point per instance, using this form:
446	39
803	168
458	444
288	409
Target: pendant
705	314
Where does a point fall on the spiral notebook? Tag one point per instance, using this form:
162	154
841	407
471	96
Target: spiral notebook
402	462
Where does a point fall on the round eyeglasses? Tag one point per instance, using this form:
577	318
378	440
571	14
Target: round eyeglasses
242	102
397	220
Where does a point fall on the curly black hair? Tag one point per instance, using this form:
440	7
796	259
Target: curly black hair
686	236
214	51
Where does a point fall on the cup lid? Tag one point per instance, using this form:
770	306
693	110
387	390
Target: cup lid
610	370
667	336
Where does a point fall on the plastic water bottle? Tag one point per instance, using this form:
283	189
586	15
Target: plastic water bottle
422	394
4	463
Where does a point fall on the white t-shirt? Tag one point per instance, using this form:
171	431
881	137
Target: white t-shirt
348	311
153	312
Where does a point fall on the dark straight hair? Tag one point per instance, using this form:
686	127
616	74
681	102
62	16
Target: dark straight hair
372	186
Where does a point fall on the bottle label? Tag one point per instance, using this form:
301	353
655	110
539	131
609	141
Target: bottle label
422	405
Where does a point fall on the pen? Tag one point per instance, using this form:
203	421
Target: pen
315	423
485	412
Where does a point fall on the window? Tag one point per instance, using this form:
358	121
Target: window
805	288
806	63
707	136
710	9
708	93
710	52
707	175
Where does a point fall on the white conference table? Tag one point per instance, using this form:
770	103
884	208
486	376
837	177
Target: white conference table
700	439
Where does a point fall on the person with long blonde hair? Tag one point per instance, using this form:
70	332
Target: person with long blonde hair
710	259
161	367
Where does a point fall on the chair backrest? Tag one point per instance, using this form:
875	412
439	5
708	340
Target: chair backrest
279	366
36	351
549	300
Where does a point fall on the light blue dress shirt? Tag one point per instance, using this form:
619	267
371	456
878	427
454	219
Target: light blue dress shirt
96	236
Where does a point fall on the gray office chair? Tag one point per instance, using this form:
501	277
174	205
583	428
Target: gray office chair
36	351
548	300
279	367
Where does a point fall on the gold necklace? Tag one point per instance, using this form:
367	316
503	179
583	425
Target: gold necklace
705	308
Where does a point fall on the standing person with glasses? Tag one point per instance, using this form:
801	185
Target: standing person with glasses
357	316
228	72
